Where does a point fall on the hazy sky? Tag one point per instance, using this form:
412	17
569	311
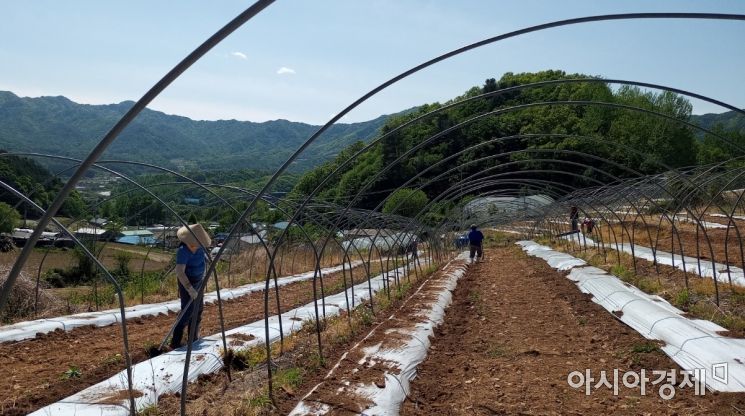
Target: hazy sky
305	60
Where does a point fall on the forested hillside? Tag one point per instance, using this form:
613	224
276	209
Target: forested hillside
33	180
647	142
56	125
135	207
729	121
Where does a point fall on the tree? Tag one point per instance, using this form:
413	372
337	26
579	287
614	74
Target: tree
406	202
193	218
712	149
573	124
9	218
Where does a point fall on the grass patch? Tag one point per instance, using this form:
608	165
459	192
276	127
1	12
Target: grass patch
640	351
114	359
72	372
737	297
644	348
494	238
289	378
149	410
477	301
497	351
682	299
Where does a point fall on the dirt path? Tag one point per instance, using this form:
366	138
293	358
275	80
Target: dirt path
152	255
31	372
517	329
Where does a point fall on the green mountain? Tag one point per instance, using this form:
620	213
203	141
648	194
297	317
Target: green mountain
56	125
729	121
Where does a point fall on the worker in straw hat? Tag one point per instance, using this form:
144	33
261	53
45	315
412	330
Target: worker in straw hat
190	266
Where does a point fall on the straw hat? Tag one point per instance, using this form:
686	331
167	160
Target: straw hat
187	237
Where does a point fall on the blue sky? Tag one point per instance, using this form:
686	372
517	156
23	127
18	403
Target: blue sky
333	51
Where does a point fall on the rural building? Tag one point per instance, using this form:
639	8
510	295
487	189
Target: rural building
137	237
93	233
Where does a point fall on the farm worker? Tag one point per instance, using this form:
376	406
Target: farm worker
475	237
190	266
588	225
574	217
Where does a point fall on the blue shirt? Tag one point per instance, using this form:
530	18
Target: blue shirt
194	262
475	237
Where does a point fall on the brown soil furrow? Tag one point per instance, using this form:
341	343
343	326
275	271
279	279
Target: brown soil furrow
341	388
515	331
33	370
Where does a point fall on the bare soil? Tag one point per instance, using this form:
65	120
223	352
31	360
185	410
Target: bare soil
32	371
517	329
339	388
514	332
246	394
694	242
689	292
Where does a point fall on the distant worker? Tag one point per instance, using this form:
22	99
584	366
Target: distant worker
475	238
190	267
574	217
588	225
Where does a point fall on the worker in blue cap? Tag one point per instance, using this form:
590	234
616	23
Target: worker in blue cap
475	238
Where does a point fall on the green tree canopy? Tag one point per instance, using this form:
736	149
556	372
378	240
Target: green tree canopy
33	180
406	202
596	121
9	218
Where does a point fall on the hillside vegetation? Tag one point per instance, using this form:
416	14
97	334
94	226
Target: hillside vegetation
34	181
56	125
647	143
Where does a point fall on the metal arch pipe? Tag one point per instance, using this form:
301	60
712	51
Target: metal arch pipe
541	84
699	222
200	289
105	169
114	133
700	226
456	187
120	296
426	64
30	242
475	45
496	112
432	202
606	161
400	158
518	162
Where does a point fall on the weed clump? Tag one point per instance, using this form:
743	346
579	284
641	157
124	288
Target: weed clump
22	302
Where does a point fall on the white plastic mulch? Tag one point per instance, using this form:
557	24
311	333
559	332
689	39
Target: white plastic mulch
707	267
691	343
163	374
388	394
29	329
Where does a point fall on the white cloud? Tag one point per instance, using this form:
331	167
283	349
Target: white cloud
285	70
240	55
